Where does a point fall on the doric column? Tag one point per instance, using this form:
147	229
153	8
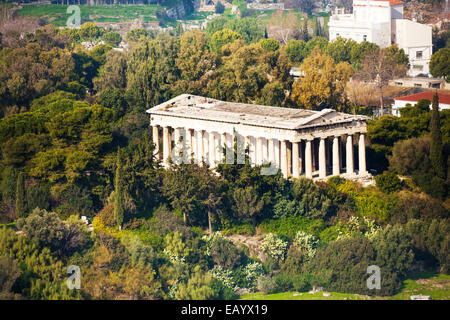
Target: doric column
265	157
155	131
283	159
349	154
166	145
195	146
271	155
252	150
362	155
241	146
187	152
289	158
177	147
206	146
222	148
200	147
308	159
276	152
336	162
322	161
230	149
212	150
295	160
259	151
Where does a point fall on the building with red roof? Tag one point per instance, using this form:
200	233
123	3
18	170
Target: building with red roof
400	102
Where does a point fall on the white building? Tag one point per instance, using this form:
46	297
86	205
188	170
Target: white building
381	22
401	102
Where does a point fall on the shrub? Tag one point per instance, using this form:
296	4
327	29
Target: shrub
286	208
294	261
411	156
288	227
283	282
223	252
302	282
269	44
247	204
388	182
48	230
374	204
225	276
112	38
106	216
394	253
175	248
431	241
413	205
342	265
221	291
306	243
165	221
266	284
274	247
313	199
358	227
198	287
253	271
243	229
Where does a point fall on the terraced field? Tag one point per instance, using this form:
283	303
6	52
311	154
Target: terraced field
57	15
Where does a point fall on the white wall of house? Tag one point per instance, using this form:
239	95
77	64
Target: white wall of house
398	104
415	39
383	24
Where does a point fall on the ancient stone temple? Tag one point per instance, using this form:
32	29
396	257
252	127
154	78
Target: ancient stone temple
315	144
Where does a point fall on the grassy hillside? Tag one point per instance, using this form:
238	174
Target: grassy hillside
437	286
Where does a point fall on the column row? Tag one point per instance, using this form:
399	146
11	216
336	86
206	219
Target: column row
311	158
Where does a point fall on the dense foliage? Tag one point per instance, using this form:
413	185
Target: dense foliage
74	142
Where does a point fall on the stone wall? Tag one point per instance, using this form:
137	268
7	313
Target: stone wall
266	6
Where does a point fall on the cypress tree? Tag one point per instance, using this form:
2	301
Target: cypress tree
436	149
20	196
119	200
305	33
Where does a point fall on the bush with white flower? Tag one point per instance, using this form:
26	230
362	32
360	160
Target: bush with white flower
225	276
253	271
355	226
306	243
274	247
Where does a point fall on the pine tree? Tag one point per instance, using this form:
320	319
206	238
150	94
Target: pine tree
20	196
436	149
119	200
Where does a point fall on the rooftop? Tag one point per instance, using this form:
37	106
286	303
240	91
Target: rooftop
393	2
443	97
197	107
